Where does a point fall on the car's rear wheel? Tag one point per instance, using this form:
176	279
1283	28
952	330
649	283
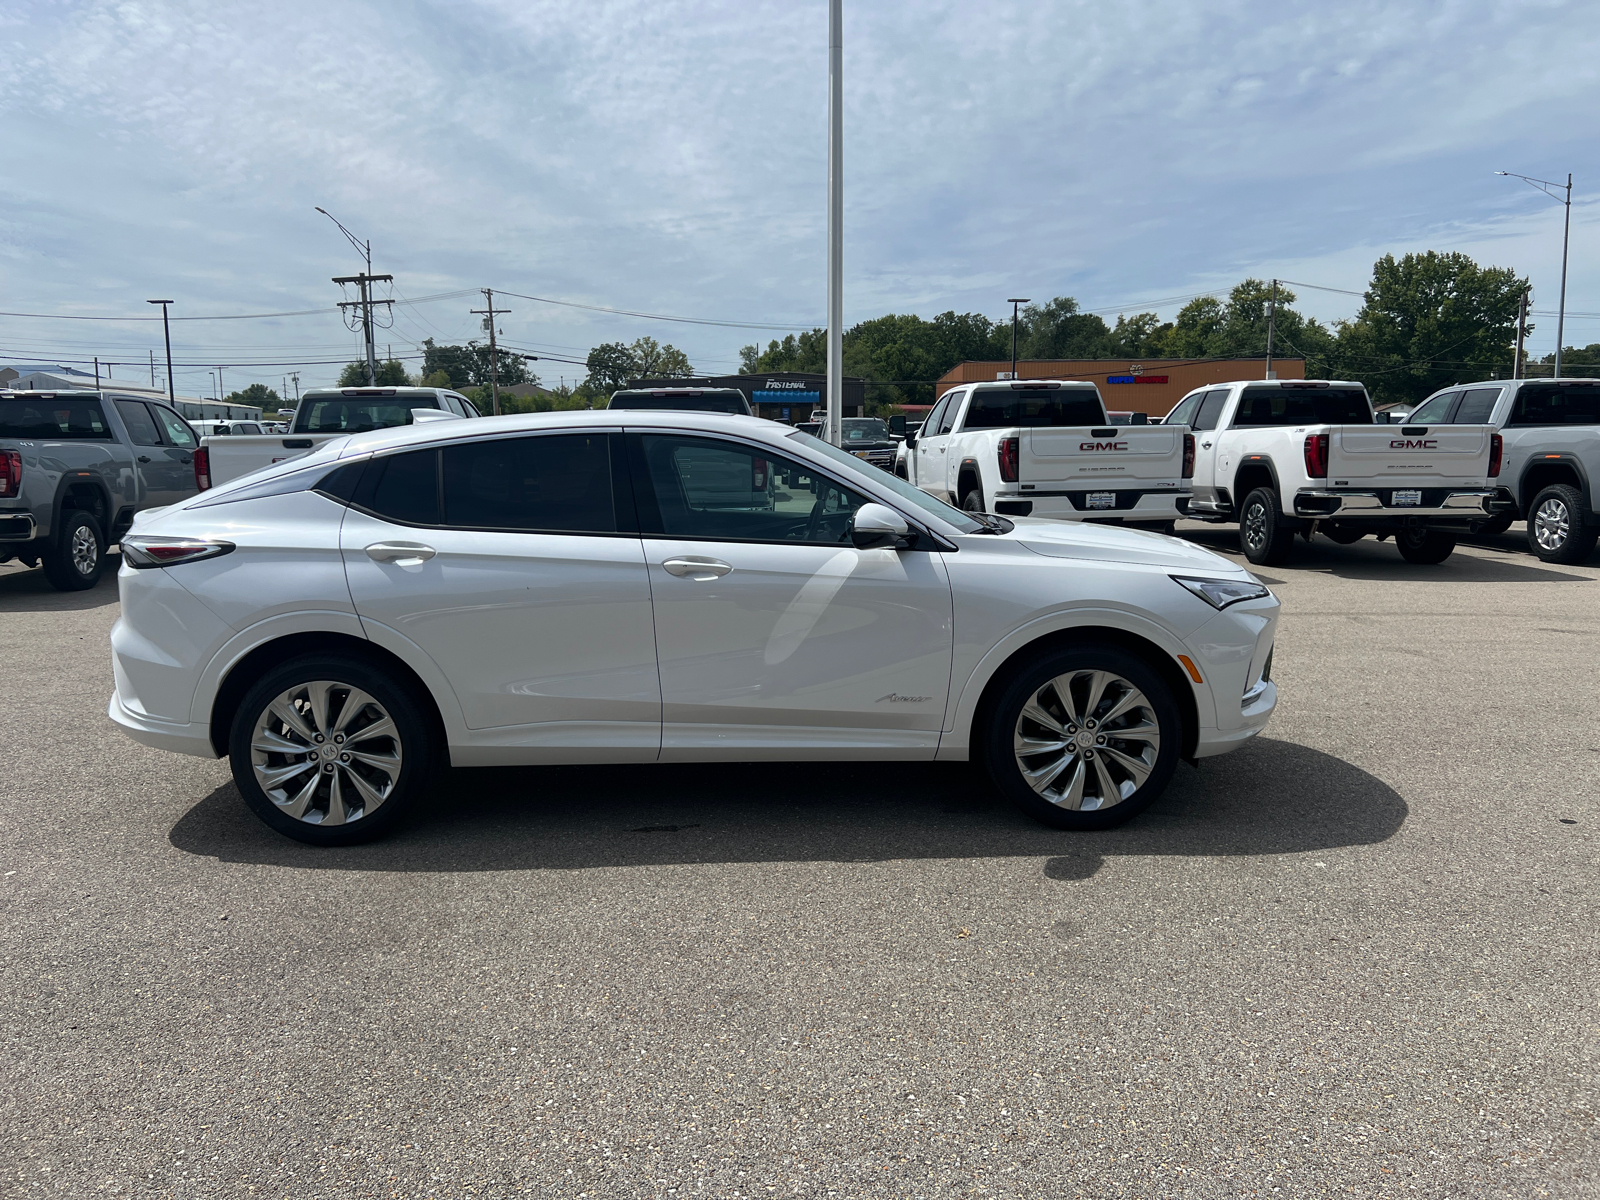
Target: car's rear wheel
1425	547
1083	738
330	750
1496	525
77	555
1556	529
1264	536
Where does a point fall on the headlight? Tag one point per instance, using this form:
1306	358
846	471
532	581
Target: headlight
1219	593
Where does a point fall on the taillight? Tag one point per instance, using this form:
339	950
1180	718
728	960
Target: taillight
758	474
1188	456
1008	460
1497	445
202	468
10	472
140	552
1317	455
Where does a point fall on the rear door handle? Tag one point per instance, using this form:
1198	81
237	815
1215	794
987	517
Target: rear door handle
1205	445
694	567
144	458
406	554
187	459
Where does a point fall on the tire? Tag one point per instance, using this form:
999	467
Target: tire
972	501
1556	529
1342	534
1048	773
77	554
1424	547
1497	525
1264	536
394	766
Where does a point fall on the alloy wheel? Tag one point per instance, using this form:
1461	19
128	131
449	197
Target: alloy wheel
85	551
1255	526
1551	524
1087	740
326	753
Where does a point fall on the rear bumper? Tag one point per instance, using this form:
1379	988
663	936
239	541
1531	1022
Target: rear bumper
1457	506
17	527
1127	505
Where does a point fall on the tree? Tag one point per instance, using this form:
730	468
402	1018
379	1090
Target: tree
610	365
1427	321
391	373
1058	330
1142	335
652	360
806	352
463	367
257	395
456	363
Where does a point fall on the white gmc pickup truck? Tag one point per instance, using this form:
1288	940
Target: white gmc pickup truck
1304	456
323	415
1045	448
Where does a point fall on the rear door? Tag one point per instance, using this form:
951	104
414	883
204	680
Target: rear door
1423	460
1213	463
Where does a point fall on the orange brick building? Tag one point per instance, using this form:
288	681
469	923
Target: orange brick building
1151	386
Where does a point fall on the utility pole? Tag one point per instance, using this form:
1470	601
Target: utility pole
152	369
1545	186
166	331
220	391
489	315
1014	302
1522	332
365	280
1272	320
96	372
835	395
295	375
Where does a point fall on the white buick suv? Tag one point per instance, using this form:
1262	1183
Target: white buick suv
625	587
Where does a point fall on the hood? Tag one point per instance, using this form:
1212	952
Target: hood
1110	543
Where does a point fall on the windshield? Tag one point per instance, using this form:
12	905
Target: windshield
1034	407
720	402
54	419
915	497
864	429
1303	406
357	414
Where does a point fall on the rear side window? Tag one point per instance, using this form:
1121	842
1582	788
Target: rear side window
1183	414
1557	404
141	426
1210	409
56	419
1476	406
556	483
1034	408
402	488
1303	406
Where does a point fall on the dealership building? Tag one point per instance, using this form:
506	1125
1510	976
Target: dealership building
1151	386
787	396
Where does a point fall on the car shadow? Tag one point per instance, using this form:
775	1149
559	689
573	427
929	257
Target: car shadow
25	589
1270	797
1370	559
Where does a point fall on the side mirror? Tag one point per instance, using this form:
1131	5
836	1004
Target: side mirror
897	424
911	438
1139	419
874	526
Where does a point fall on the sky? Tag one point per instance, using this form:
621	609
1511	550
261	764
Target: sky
670	158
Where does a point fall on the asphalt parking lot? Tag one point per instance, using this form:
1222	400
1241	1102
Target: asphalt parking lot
1355	958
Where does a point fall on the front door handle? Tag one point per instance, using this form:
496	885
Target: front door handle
144	458
186	459
693	566
406	554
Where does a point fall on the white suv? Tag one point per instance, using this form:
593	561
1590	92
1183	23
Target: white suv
616	587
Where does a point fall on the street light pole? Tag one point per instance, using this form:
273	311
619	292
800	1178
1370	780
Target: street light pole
1014	303
166	332
835	396
1544	185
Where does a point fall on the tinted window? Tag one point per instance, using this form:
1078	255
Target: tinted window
1034	407
56	419
248	427
1185	410
1555	404
560	482
706	488
403	487
1303	406
1476	406
947	419
1210	409
709	401
1435	411
467	406
353	414
141	425
931	425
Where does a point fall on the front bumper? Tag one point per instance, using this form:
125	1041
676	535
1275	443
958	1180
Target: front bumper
883	459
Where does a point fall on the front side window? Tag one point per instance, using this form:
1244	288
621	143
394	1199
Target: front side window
910	495
1435	411
558	483
141	427
930	426
54	419
1557	404
1303	406
994	408
178	431
947	420
705	488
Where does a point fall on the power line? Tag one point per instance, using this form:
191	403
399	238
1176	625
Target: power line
624	312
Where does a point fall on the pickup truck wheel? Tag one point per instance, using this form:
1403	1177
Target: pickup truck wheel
1556	529
330	751
972	501
1263	534
1083	738
77	555
1425	547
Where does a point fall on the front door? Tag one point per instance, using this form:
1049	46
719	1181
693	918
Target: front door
511	563
933	449
178	445
776	637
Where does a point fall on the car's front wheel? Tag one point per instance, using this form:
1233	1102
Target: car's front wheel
972	501
1083	738
330	750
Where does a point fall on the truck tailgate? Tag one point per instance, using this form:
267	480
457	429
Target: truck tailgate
1416	456
1133	456
235	455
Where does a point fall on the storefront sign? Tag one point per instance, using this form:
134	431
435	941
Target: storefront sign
1136	379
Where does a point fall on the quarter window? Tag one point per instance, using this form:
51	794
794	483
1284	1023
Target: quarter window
557	483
